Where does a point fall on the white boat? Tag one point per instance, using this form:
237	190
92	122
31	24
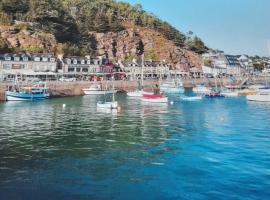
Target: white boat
136	93
110	104
154	98
230	93
96	89
261	97
201	89
195	98
172	87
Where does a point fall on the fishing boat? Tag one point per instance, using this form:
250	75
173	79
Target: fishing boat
260	97
154	98
95	89
27	94
108	104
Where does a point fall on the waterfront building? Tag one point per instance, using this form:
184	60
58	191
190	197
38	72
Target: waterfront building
218	62
151	69
87	68
26	65
81	65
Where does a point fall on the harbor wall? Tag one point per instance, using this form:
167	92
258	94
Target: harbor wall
61	89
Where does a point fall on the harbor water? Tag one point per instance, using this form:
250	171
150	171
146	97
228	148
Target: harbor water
209	149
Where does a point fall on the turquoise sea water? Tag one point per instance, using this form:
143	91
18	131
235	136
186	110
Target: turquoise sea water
210	149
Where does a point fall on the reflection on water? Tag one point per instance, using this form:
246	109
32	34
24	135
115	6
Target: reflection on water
143	151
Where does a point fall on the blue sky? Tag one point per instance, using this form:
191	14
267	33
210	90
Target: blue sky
235	26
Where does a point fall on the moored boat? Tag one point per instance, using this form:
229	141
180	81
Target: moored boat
214	94
27	94
96	89
154	98
247	92
201	89
230	93
261	97
172	87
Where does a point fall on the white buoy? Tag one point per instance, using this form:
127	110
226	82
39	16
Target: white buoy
64	105
171	102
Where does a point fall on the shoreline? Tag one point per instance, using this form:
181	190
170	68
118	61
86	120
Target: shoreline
64	89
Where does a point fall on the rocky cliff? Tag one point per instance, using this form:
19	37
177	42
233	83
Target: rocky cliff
118	45
125	44
30	41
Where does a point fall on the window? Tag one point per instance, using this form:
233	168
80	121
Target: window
37	59
82	62
68	61
6	66
16	58
85	70
78	69
70	69
75	61
52	59
8	58
88	62
25	58
45	59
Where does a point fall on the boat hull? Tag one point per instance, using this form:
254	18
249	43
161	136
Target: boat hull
138	93
248	92
154	98
230	94
97	92
259	97
14	96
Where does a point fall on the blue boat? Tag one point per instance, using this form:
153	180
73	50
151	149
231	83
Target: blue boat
27	94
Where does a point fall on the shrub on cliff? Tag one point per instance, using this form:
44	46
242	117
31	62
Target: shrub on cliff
4	48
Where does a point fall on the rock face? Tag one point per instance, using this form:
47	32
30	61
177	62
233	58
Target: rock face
123	44
118	45
26	40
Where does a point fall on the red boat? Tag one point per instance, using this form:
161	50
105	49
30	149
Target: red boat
154	98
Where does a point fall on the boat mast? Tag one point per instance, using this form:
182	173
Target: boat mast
215	76
113	98
142	70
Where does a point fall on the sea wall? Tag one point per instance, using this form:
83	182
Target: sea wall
62	89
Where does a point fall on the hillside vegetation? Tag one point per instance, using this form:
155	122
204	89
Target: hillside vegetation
72	21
